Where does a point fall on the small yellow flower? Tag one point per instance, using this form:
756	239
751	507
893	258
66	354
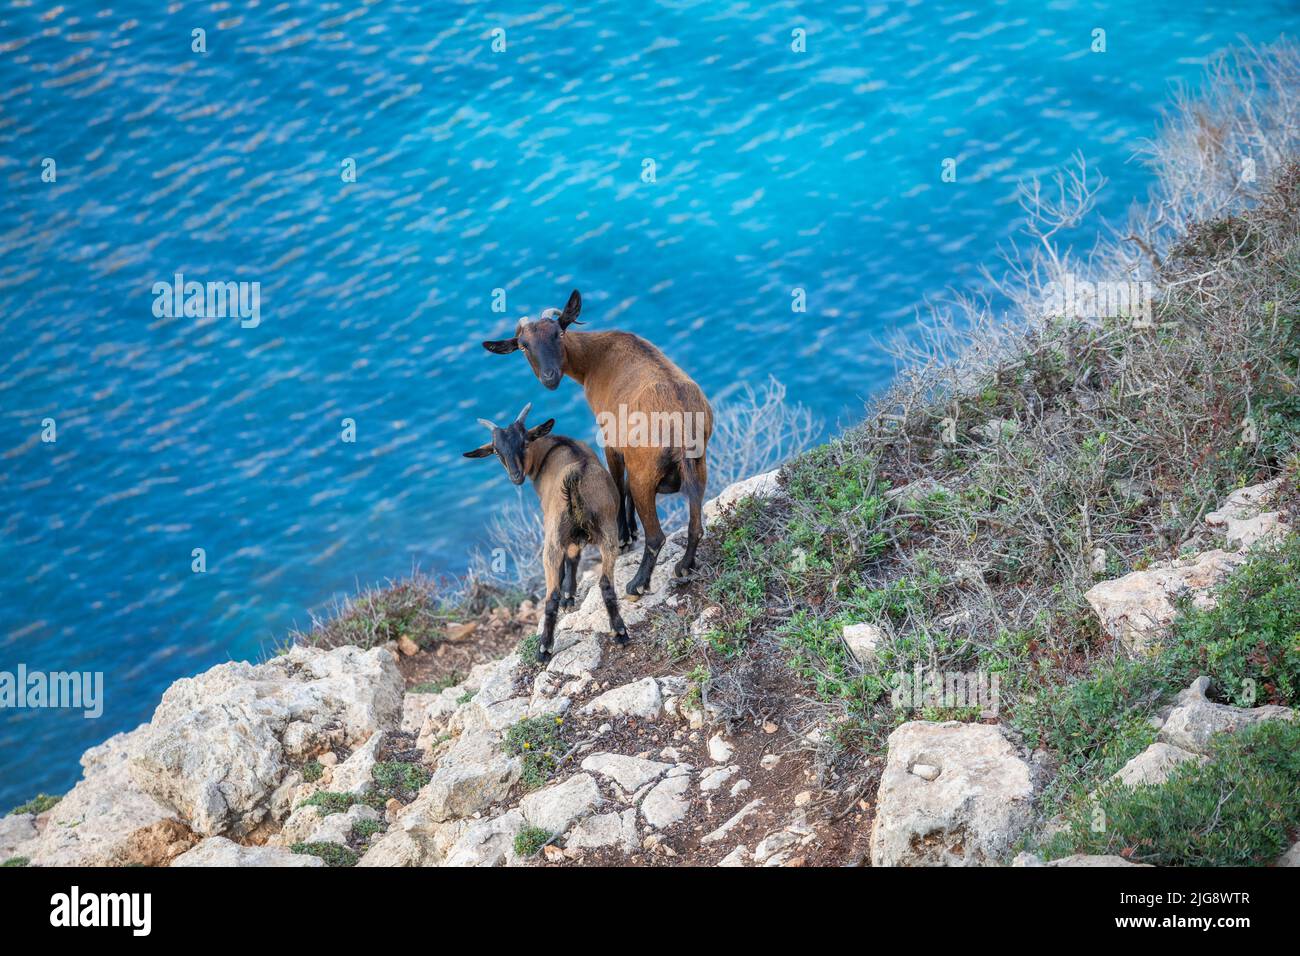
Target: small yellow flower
527	745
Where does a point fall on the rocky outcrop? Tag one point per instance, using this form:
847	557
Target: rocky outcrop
107	819
218	851
639	699
1184	737
217	778
1245	520
863	640
1153	765
761	486
16	830
630	773
473	774
605	830
221	744
556	808
967	806
1195	718
668	801
1138	608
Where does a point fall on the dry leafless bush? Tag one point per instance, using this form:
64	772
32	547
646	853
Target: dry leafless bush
1216	149
756	431
377	615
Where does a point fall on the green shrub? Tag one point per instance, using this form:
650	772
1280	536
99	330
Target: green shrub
394	778
817	653
1277	410
1238	809
537	741
530	840
527	649
329	802
1096	725
365	829
409	608
334	854
1252	634
16	861
312	770
37	804
837	519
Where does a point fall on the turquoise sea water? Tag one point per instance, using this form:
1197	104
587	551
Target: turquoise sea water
476	170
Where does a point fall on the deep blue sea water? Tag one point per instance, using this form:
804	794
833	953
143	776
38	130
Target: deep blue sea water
476	170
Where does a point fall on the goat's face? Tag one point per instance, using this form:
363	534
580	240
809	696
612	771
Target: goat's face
510	444
542	340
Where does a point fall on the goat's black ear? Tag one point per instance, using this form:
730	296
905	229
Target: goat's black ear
482	452
537	431
502	346
571	310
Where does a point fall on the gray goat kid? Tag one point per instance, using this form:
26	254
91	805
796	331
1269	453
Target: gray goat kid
579	506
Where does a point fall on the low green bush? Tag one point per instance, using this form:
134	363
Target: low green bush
537	741
1237	809
37	804
1249	642
334	854
530	840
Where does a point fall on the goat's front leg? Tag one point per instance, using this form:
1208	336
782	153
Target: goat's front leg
553	562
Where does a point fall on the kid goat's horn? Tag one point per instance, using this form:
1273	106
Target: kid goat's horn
487	424
524	413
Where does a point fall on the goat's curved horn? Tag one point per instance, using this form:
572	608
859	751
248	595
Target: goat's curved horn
487	424
524	414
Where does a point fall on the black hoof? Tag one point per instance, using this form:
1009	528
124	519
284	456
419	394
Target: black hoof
543	657
567	603
620	637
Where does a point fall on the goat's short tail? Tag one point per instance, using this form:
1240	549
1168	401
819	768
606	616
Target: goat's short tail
571	486
692	485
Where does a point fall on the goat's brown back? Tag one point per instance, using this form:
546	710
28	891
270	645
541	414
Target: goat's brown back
562	467
622	368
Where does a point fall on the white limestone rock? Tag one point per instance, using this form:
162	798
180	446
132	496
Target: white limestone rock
218	851
970	814
221	743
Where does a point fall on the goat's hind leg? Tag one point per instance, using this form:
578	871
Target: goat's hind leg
694	491
643	493
569	583
553	561
608	552
626	513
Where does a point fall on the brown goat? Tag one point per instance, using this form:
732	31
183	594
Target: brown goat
579	505
637	394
